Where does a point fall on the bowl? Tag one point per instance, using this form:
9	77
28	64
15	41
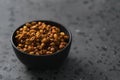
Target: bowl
43	61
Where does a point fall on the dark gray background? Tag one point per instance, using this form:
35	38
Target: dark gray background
95	25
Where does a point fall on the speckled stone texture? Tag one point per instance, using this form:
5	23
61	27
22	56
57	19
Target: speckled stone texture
95	26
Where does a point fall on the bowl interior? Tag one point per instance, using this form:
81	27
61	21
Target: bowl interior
62	28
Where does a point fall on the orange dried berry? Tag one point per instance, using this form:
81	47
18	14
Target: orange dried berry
62	40
48	27
48	52
54	31
55	36
25	49
32	31
58	30
52	49
33	23
21	29
39	23
24	27
43	25
26	46
33	27
66	37
52	44
37	34
41	31
20	45
42	45
61	46
62	33
44	40
63	43
17	32
32	38
28	24
44	51
37	53
31	53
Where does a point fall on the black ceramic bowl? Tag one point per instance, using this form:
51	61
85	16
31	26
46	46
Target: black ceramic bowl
43	61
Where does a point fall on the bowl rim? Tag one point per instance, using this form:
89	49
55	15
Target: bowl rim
55	53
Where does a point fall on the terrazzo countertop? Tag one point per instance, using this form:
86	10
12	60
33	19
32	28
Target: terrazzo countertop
95	26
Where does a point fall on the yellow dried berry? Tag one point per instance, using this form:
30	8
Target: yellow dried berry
62	33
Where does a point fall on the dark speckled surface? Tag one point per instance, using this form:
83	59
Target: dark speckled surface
95	51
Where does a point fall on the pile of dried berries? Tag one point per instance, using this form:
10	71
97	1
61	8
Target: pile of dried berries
38	38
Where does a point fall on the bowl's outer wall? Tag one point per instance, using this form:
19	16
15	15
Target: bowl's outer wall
43	61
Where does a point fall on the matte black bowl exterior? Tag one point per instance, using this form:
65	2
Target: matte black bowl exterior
43	61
